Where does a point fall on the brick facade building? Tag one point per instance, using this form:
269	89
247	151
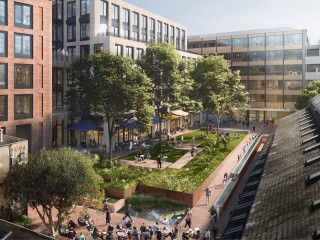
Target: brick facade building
26	70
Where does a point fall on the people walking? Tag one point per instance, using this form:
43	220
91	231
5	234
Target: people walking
208	194
225	176
188	221
108	214
159	161
128	213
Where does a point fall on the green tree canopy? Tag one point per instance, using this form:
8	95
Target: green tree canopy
304	96
169	75
110	87
217	87
53	180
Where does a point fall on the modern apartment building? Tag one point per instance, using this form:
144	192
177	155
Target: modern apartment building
84	27
25	70
271	64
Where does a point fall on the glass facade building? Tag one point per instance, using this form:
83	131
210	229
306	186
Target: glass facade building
271	65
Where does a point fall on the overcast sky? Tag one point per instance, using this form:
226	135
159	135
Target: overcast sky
213	16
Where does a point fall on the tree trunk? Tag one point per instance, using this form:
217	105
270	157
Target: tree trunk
207	120
218	125
110	135
160	134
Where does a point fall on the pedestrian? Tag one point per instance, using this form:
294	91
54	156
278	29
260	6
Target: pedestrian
188	221
225	176
159	161
128	213
108	214
208	194
213	214
238	157
189	212
254	128
192	152
130	145
207	234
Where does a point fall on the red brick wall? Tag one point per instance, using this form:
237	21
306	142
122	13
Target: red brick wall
42	28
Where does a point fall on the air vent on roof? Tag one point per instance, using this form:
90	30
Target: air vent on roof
238	217
256	172
315	205
309	139
312	178
244	205
316	234
311	161
311	131
308	149
306	127
301	124
233	230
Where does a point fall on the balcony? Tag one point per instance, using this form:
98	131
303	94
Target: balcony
63	60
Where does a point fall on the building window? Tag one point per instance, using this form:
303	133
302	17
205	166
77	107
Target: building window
257	56
3	108
71	33
98	47
23	106
313	67
115	19
293	54
274	69
274	40
152	29
256	42
3	76
84	50
224	42
71	50
126	23
85	7
178	38
22	45
103	17
274	55
159	32
57	9
23	76
129	52
3	44
166	33
57	87
135	26
139	53
84	31
118	50
313	52
172	35
22	15
293	70
3	12
144	30
293	39
183	40
240	42
71	9
70	80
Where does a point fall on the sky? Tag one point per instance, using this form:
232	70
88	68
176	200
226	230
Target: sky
215	16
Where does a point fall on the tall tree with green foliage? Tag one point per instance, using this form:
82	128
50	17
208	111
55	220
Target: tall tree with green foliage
304	96
218	88
112	88
169	76
52	181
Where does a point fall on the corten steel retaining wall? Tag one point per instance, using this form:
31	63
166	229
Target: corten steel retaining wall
241	172
120	194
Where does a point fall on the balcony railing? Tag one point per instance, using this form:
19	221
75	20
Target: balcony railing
63	59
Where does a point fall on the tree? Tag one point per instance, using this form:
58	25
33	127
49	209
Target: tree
112	88
53	180
218	88
304	96
168	74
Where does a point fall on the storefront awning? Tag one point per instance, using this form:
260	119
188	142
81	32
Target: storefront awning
131	123
83	125
156	120
180	113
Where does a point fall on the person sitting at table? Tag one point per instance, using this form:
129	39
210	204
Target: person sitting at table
110	236
173	234
197	236
185	236
71	224
190	233
123	222
82	236
138	157
110	228
128	224
165	221
118	228
71	234
128	236
95	234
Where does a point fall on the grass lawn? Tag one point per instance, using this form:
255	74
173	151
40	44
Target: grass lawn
172	153
186	179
